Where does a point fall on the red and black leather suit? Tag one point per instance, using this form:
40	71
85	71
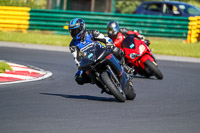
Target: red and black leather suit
123	33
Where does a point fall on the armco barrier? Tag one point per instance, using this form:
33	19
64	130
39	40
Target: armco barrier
14	18
22	18
55	20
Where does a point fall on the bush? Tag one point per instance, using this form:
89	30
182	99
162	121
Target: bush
127	6
4	66
37	4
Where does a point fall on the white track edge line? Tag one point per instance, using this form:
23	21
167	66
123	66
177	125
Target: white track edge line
47	75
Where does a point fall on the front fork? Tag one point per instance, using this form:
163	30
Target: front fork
113	75
117	70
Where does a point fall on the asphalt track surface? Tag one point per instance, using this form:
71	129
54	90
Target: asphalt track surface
58	105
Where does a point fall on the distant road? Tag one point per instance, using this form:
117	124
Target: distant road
66	49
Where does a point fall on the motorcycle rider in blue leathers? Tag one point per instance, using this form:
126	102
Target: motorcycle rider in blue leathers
80	34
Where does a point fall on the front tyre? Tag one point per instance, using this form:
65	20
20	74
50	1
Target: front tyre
153	68
112	86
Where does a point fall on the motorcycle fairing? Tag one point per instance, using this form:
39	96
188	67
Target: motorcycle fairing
144	58
114	63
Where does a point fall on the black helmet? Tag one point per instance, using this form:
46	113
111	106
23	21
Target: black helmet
77	28
113	28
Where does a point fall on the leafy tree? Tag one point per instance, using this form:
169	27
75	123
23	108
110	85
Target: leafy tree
41	4
127	6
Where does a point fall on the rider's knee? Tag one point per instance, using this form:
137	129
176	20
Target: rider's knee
79	80
79	77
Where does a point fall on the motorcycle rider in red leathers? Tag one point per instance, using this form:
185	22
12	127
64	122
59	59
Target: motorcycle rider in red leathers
118	35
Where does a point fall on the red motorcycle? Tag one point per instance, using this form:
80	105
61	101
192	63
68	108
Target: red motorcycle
139	56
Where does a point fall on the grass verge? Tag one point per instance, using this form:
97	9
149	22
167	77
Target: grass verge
35	37
176	47
163	46
4	66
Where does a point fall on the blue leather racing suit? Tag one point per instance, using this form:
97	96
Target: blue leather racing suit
90	36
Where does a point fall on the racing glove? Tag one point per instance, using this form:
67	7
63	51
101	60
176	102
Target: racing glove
147	42
141	37
110	46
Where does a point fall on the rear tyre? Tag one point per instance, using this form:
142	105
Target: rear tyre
153	68
130	92
112	86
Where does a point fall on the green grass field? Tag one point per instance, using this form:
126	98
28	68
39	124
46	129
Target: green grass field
163	46
35	38
176	47
4	66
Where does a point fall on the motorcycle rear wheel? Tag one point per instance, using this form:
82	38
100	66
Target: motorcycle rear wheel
112	86
130	92
154	69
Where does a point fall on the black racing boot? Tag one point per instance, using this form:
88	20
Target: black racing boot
128	69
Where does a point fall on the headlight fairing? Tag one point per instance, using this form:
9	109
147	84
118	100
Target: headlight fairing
141	48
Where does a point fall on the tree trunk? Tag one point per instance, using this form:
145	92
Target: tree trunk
64	4
108	6
92	5
49	4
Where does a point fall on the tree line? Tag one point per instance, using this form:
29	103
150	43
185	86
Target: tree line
122	6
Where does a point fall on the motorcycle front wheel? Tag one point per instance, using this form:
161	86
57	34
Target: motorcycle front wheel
153	68
112	86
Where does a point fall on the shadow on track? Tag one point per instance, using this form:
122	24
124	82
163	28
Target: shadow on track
86	97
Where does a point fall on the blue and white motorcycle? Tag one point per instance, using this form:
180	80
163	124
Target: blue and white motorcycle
105	71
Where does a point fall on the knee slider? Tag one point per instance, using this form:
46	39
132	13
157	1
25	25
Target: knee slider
79	77
79	80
